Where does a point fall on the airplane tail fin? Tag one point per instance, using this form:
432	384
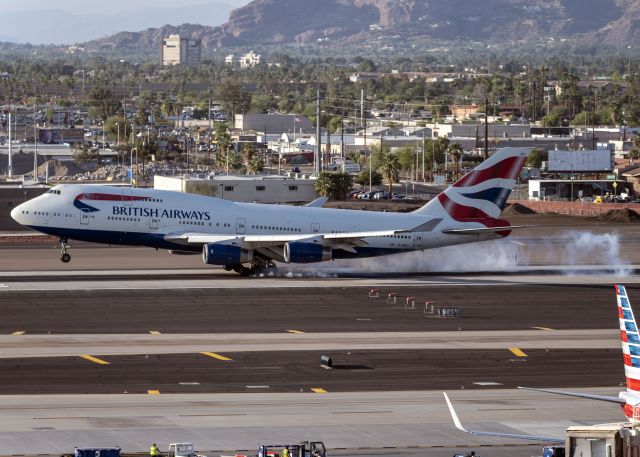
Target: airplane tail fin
630	340
481	195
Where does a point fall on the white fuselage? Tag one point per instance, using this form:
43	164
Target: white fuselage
147	217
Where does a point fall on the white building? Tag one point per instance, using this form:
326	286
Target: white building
249	189
181	51
248	60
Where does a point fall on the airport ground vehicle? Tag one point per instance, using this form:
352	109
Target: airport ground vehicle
97	452
553	451
303	449
182	450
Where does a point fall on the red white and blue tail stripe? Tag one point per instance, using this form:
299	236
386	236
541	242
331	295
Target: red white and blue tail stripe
481	195
630	340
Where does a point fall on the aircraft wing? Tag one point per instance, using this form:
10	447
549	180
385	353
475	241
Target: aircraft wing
606	398
346	241
459	426
483	230
318	202
264	241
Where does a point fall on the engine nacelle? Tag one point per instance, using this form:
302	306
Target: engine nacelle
225	254
306	253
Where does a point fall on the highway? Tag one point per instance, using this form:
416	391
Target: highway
170	350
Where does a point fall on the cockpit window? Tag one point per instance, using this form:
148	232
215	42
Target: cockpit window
53	191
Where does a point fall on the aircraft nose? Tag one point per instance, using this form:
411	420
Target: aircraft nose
16	213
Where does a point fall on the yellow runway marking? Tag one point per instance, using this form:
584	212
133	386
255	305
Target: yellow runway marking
546	329
216	356
517	352
18	333
153	392
155	332
297	332
318	390
94	359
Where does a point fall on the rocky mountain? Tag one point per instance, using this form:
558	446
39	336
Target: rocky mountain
303	21
151	39
264	22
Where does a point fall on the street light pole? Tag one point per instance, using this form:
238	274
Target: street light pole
131	165
118	141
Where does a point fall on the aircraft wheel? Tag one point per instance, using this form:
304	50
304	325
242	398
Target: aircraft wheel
243	271
66	258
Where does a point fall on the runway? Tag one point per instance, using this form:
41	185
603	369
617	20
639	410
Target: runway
320	308
301	371
228	362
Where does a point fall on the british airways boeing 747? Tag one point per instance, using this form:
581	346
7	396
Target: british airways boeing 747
250	238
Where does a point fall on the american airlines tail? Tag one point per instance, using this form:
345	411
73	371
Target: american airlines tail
481	195
631	355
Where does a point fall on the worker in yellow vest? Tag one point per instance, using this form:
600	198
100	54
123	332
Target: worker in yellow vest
285	452
154	451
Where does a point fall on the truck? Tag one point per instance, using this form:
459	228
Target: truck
621	439
182	450
303	449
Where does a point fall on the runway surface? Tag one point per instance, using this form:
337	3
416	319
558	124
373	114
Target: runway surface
317	309
389	422
298	371
229	362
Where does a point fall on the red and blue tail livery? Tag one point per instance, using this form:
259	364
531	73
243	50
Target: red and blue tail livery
478	199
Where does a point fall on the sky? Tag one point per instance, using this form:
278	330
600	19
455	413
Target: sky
93	7
77	21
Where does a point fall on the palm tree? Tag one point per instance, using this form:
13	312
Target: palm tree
390	167
456	152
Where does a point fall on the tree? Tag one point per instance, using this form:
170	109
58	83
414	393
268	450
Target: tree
234	98
536	158
363	178
390	167
223	143
456	152
103	100
334	185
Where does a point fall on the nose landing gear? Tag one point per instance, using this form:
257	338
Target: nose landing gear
64	257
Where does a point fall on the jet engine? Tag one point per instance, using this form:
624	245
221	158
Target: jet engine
306	253
225	254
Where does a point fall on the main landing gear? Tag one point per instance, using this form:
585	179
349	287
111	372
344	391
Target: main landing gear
64	257
259	267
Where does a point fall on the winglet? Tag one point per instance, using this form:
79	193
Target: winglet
454	416
317	203
460	427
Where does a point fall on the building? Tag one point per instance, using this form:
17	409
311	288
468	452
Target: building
248	60
274	123
248	189
181	51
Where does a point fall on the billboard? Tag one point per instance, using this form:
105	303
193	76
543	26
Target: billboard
58	136
600	160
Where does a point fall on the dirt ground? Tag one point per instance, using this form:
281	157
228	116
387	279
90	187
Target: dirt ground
515	214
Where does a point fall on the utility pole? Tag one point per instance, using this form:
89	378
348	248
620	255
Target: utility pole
318	157
342	137
10	148
210	134
364	124
35	142
486	128
424	150
593	125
